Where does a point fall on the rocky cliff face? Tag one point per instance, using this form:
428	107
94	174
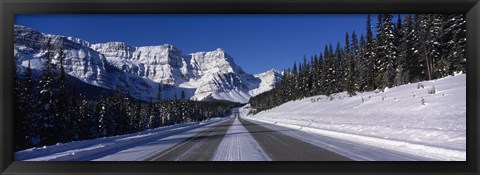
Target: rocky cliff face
140	70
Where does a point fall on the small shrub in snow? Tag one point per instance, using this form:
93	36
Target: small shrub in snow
314	100
432	90
423	101
331	98
420	85
363	100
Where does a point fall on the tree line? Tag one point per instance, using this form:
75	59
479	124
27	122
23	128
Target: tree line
411	49
47	113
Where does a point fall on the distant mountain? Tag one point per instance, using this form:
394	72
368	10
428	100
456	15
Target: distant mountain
141	70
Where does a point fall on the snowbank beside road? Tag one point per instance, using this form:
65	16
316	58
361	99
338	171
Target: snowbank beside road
426	119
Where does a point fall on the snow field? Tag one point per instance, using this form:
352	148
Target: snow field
396	119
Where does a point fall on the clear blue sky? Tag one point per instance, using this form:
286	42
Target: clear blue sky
256	42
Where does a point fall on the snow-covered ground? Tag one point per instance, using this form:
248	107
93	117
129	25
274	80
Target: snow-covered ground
239	145
402	123
406	119
130	147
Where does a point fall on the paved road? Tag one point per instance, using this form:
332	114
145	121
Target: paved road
201	147
281	147
278	146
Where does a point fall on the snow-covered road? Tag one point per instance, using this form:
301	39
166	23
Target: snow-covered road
239	145
352	150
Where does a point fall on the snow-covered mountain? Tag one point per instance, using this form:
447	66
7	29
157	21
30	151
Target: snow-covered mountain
140	70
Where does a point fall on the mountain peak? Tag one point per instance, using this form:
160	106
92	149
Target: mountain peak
112	45
269	72
23	31
272	70
141	70
16	26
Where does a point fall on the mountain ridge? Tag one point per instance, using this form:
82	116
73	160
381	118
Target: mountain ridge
140	71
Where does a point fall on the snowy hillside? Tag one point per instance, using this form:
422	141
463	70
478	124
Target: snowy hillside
268	81
426	119
140	70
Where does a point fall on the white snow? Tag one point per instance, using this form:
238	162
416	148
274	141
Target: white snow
234	96
268	81
136	146
393	120
141	69
353	150
239	145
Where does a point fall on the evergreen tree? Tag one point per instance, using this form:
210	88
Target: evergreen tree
64	119
369	57
294	83
422	29
350	71
405	51
379	58
150	115
137	116
332	70
361	64
123	117
182	113
159	118
437	64
304	79
46	100
85	119
104	120
390	49
338	85
386	52
454	42
30	100
458	58
317	74
24	120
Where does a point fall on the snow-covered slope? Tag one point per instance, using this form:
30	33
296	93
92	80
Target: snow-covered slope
268	81
161	64
409	118
83	62
140	70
